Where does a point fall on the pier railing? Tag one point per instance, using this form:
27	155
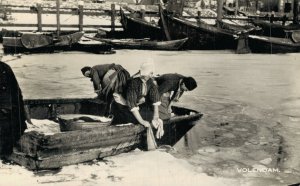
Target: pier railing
81	12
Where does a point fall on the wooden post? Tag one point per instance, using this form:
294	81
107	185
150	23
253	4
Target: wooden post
280	6
39	16
80	13
143	11
236	7
58	17
199	14
113	15
219	10
295	12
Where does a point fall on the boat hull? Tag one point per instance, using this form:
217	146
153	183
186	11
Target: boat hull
201	36
273	29
139	28
144	44
263	44
47	151
14	42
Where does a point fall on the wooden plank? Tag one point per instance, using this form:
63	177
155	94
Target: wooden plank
73	138
70	158
100	143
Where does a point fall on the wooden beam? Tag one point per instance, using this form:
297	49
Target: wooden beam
113	14
58	16
219	10
80	15
295	12
39	16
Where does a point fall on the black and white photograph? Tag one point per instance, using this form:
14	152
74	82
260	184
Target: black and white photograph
149	92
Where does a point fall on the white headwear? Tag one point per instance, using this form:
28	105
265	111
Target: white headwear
147	68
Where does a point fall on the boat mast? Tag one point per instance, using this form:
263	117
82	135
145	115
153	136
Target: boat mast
58	17
295	12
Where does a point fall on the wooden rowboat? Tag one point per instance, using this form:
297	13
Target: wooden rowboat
47	151
28	41
143	44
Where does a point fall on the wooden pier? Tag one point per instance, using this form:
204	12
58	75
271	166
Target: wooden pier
80	11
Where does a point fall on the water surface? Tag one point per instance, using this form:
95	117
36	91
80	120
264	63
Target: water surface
249	90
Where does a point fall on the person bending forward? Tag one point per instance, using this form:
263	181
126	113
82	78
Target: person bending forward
172	83
107	79
141	100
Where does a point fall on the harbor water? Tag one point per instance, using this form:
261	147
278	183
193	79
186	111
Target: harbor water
251	107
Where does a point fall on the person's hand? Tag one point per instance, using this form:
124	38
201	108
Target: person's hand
154	123
145	123
169	110
160	131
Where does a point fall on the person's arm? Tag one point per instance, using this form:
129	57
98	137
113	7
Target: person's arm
154	98
97	83
139	118
131	98
156	113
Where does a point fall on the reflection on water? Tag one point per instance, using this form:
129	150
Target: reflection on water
236	93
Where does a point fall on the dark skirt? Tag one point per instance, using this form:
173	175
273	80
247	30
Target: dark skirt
122	114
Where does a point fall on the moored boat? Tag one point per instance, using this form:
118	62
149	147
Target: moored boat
87	139
265	44
29	41
136	26
275	29
143	44
201	35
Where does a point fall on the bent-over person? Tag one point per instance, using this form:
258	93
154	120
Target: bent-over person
107	79
171	87
139	103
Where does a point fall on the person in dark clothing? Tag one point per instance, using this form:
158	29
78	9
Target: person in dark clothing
12	114
140	101
175	83
107	79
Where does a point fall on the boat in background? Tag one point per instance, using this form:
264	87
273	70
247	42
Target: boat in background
85	136
271	45
275	29
136	26
201	35
143	44
28	41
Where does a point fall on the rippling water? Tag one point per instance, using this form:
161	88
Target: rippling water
256	88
